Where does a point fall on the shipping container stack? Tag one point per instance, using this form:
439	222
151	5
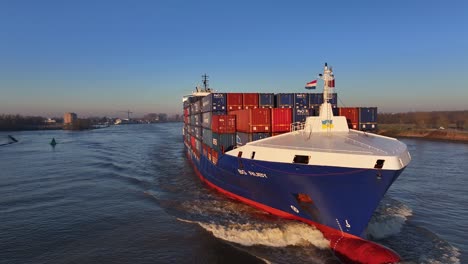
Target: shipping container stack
316	99
218	122
301	109
252	124
360	118
218	128
263	115
193	125
185	133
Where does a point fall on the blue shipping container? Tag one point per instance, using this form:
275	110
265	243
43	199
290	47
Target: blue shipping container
266	100
284	100
368	127
300	114
367	115
334	100
301	100
214	102
244	138
223	142
335	111
316	99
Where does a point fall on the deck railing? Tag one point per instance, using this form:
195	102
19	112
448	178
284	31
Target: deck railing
296	126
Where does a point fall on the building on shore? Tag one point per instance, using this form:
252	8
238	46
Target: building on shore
69	118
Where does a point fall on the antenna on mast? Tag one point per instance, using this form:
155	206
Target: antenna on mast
205	83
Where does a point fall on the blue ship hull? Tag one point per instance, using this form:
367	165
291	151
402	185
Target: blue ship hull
340	198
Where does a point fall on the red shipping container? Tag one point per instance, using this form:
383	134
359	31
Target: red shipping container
214	156
281	119
223	124
234	101
277	133
250	100
209	153
252	120
205	150
352	116
193	143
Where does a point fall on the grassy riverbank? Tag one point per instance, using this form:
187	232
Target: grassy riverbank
410	131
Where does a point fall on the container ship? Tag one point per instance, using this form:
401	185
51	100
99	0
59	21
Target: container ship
297	156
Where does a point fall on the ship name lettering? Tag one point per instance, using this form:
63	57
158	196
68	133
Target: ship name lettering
257	174
242	172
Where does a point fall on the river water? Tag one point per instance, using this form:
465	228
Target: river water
127	194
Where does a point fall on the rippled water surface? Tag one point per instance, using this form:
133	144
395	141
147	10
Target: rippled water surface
127	194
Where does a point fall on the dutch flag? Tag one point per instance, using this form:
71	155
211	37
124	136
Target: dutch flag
311	85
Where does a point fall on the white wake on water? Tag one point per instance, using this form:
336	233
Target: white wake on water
442	253
388	219
290	234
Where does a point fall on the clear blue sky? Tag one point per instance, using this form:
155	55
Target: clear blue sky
102	57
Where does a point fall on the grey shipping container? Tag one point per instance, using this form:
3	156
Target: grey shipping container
194	99
244	138
214	102
196	131
266	100
223	142
207	136
195	120
206	120
195	107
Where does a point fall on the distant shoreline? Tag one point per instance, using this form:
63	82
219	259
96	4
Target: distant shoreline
451	135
